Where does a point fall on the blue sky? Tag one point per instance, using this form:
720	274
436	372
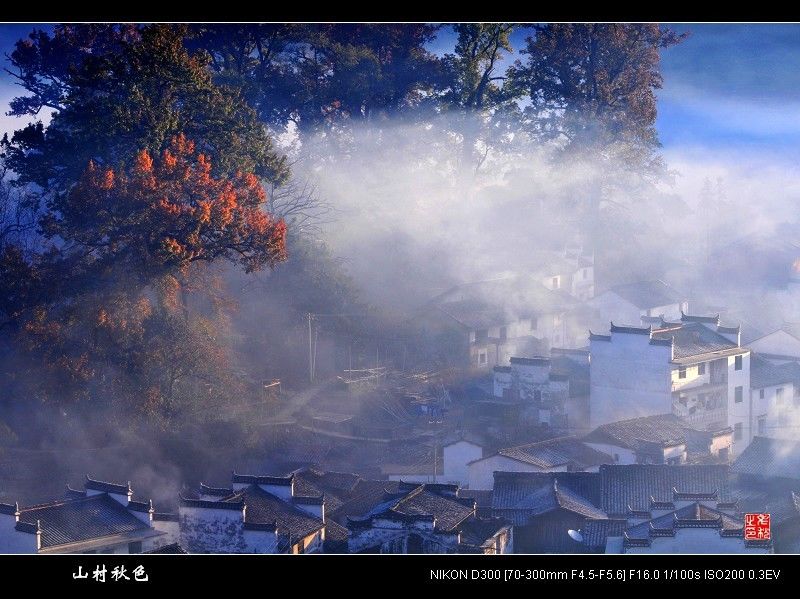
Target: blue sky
726	88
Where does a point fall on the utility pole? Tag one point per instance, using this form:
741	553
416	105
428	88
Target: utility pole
310	358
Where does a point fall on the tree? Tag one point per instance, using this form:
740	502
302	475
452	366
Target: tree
475	93
159	215
116	90
592	88
324	77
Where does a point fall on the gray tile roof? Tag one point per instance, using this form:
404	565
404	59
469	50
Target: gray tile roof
648	294
449	511
693	515
770	458
477	531
557	452
661	428
81	519
364	497
766	374
596	532
171	549
251	479
635	485
266	509
693	339
106	487
520	495
215	491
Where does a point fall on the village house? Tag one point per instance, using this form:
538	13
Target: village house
693	523
779	346
571	270
695	369
774	399
629	303
554	455
102	518
427	518
483	324
767	479
660	439
544	507
257	514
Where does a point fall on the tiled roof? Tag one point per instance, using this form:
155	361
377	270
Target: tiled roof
636	485
661	429
82	519
766	374
477	531
266	509
519	495
557	452
700	318
140	506
693	339
163	517
596	532
99	485
214	491
695	515
251	479
335	531
9	508
535	361
211	505
71	493
482	498
448	511
172	549
648	294
366	495
770	458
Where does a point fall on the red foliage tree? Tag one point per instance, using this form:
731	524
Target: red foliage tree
163	213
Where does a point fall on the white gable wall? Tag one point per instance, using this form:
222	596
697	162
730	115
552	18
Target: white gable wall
456	457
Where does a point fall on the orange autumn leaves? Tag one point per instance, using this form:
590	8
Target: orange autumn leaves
167	211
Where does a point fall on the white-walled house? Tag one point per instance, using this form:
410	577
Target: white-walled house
427	518
773	403
103	518
629	303
695	369
484	323
257	514
542	394
780	345
696	523
554	455
456	457
660	439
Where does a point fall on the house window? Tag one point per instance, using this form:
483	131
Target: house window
616	457
701	368
682	372
737	363
556	320
503	333
482	357
762	425
760	394
534	324
585	273
555	283
737	431
537	395
135	547
779	396
738	394
481	335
